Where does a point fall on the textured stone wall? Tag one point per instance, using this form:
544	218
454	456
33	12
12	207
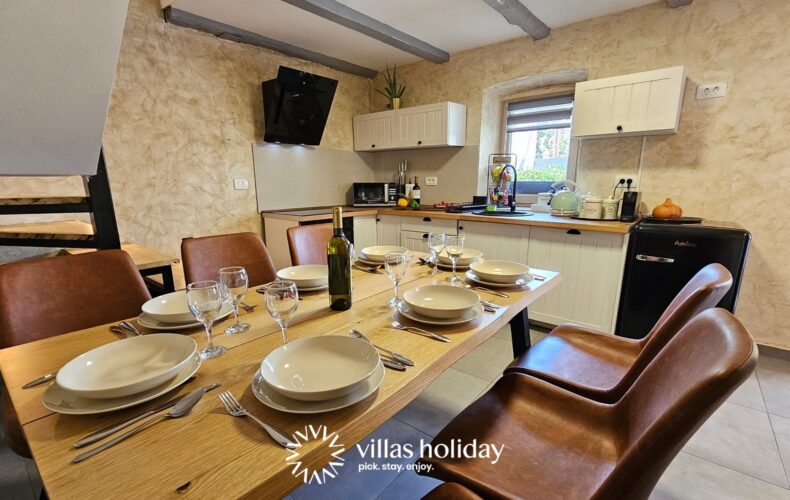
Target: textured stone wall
730	161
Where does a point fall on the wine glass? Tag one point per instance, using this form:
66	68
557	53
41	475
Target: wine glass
234	283
282	297
436	242
204	299
455	249
395	263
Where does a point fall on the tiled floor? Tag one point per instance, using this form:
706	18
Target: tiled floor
742	452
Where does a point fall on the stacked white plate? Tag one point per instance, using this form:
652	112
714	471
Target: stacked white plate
499	273
308	277
375	255
470	255
440	305
318	374
171	312
122	374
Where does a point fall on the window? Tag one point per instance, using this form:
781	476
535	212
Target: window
538	132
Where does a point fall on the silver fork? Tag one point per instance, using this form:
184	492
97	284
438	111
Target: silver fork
487	290
234	408
247	308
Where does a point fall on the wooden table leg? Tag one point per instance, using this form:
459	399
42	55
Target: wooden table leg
519	333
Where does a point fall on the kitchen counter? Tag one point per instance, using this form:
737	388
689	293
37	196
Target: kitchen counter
539	220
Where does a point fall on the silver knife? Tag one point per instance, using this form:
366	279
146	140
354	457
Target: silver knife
40	380
103	433
181	408
393	365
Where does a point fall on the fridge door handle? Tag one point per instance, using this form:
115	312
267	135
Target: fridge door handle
653	258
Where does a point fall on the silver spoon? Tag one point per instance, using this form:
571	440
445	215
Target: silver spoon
419	331
130	327
399	357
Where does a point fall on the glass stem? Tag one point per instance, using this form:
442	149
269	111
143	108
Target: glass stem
236	311
396	292
282	332
210	346
454	276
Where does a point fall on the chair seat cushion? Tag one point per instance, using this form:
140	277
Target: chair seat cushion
586	362
538	424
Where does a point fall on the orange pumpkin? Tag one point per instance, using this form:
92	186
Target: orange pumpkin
667	210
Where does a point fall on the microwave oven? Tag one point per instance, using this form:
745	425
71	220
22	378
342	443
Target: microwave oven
374	194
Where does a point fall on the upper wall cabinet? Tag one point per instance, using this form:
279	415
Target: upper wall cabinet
638	104
432	125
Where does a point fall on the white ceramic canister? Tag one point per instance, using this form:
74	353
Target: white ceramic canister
592	207
609	208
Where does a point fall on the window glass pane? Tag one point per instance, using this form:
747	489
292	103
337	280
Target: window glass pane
540	137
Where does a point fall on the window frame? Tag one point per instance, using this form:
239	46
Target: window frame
573	146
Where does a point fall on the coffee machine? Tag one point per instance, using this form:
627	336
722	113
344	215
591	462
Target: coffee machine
629	210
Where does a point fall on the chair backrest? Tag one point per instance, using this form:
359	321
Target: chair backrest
307	244
203	257
50	296
690	378
702	292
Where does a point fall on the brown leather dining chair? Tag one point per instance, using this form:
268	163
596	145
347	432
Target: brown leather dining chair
307	244
558	444
203	257
601	366
50	296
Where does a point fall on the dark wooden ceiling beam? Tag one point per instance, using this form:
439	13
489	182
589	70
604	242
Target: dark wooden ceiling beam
518	14
678	3
228	32
353	19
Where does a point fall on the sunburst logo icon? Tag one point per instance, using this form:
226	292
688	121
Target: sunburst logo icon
328	439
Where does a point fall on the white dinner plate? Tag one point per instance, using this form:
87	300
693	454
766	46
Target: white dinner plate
127	366
377	253
273	399
169	308
306	276
60	400
449	267
518	283
470	255
149	322
441	301
470	315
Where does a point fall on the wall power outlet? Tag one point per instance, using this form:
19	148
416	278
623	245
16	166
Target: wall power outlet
431	181
634	181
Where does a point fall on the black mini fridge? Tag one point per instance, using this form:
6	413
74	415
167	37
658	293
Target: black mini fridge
663	257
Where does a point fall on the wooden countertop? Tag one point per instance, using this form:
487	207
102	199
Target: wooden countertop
303	215
538	219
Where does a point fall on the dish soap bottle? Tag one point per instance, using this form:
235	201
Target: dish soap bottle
338	252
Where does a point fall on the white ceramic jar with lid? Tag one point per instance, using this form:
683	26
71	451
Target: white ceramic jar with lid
592	207
609	208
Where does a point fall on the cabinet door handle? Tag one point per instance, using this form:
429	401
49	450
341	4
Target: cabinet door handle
460	228
419	142
425	236
619	128
372	145
654	258
574	231
426	219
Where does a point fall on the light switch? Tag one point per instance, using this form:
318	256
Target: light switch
241	184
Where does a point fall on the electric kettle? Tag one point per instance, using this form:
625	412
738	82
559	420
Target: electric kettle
565	202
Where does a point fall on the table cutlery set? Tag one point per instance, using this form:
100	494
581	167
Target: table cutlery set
396	361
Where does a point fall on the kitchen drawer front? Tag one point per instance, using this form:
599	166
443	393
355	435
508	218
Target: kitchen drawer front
496	241
591	266
416	241
429	224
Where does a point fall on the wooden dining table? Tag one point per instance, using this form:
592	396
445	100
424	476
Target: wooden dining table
209	454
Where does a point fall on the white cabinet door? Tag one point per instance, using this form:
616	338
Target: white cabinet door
431	125
496	241
591	264
387	229
365	231
637	104
415	241
376	131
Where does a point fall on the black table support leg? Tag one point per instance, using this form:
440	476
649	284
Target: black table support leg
519	333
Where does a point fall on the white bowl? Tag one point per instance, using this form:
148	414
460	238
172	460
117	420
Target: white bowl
319	368
170	308
377	253
307	276
469	256
441	301
127	366
499	271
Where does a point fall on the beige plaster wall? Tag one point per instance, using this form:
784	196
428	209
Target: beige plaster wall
186	108
730	160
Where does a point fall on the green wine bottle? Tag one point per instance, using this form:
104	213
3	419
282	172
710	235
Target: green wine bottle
338	252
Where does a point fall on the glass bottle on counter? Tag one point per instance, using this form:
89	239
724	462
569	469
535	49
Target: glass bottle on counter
415	194
338	252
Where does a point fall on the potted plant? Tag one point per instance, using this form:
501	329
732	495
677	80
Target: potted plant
392	91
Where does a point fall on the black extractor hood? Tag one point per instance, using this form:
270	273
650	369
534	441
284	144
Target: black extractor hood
296	106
